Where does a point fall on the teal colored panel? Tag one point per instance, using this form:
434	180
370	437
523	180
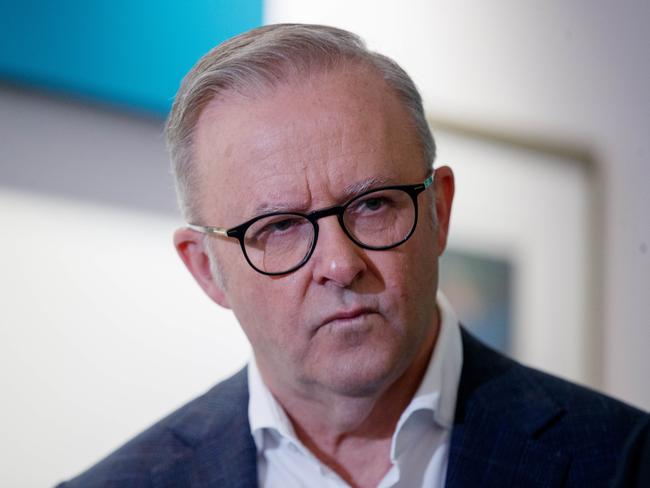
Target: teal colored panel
132	53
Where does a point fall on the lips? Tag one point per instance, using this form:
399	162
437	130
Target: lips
347	315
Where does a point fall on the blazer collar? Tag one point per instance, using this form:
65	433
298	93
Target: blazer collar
500	413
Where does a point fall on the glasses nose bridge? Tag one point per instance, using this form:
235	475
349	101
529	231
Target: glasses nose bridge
337	210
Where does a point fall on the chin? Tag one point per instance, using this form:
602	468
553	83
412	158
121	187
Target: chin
362	375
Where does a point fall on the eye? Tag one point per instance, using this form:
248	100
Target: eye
374	203
281	225
370	204
275	226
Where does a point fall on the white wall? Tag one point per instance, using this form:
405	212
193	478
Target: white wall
570	71
102	332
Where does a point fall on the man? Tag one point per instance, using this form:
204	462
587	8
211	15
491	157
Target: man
304	169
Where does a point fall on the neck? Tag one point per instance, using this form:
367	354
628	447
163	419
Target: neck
346	432
327	425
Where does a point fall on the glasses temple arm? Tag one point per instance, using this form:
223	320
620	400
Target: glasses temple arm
220	231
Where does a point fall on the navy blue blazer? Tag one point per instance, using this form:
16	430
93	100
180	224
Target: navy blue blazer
514	426
634	470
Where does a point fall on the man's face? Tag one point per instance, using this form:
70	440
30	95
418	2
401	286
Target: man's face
350	320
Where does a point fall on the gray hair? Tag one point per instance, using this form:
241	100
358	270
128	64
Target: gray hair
266	57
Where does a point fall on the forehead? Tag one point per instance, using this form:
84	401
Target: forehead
302	145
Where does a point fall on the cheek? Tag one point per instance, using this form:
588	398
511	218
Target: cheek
418	267
413	297
264	306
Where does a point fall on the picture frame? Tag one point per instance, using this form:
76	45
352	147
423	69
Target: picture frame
531	205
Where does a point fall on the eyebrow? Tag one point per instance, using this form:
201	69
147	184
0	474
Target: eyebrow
348	193
354	189
266	207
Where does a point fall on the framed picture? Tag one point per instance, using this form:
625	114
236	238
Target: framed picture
519	268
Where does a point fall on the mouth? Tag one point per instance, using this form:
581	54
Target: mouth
347	317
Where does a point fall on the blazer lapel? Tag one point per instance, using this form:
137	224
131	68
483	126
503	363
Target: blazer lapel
224	462
499	414
215	447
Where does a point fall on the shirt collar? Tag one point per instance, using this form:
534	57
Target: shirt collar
436	393
264	411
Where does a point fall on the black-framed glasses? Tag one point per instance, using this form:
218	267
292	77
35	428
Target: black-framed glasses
278	243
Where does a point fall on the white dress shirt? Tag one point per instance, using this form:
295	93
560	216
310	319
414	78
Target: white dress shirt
420	445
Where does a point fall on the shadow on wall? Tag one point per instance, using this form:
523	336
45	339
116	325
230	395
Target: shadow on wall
66	148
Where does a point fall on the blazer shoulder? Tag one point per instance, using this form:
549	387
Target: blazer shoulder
499	398
577	400
170	438
589	427
497	380
517	426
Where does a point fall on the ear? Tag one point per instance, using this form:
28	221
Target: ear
443	182
191	248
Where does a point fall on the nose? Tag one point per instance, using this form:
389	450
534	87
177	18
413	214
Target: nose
336	260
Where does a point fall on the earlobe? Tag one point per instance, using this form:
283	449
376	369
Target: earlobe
444	190
191	248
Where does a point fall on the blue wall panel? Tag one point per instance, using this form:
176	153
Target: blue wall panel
132	53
